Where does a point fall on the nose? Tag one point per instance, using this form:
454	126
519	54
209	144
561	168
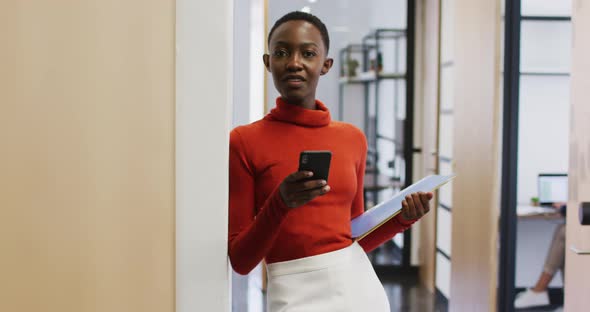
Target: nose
294	63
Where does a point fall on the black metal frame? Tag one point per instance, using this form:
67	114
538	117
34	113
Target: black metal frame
509	156
443	253
409	125
445	207
544	18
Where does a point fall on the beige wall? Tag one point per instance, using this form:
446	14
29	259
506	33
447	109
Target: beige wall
427	60
87	160
476	56
475	191
577	280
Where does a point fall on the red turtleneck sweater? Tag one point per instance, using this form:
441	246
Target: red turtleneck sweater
261	155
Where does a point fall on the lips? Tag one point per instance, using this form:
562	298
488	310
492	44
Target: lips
294	80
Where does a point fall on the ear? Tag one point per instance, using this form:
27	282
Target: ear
327	65
266	60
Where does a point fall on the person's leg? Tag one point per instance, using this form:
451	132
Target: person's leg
538	296
555	259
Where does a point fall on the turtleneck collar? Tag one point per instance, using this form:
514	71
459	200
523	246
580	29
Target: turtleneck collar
298	115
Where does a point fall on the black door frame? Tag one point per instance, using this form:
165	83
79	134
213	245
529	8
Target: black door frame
508	217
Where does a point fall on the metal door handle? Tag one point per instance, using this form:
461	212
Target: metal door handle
579	251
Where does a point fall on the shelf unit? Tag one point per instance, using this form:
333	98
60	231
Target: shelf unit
381	47
370	77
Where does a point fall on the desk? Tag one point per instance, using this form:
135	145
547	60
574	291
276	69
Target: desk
528	212
383	182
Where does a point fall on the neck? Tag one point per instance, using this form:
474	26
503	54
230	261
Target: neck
318	116
307	103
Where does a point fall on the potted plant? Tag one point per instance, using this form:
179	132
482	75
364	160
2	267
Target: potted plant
352	65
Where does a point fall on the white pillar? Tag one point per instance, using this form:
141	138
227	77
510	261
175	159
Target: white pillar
203	98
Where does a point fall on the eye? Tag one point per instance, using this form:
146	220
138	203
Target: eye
309	54
280	53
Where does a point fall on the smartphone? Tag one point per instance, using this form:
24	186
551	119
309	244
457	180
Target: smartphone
317	162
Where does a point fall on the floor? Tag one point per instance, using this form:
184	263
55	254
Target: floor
386	254
406	294
555	297
550	308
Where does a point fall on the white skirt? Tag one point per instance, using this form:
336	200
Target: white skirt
337	281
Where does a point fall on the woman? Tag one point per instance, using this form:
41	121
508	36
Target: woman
301	227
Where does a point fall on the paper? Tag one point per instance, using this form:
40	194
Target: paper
381	213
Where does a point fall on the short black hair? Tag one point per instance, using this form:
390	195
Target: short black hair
302	16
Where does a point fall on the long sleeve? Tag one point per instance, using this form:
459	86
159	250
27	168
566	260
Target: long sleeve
251	235
358	203
386	231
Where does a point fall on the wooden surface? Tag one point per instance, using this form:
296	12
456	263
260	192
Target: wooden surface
577	279
427	69
87	163
476	154
523	212
542	216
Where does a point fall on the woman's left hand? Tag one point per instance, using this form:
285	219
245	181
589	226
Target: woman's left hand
416	205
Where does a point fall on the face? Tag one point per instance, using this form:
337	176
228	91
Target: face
296	60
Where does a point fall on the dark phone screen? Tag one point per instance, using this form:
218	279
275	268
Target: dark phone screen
317	162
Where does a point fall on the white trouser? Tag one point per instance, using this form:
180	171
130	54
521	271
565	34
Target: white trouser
337	281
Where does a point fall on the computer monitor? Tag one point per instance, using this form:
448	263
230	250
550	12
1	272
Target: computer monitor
552	188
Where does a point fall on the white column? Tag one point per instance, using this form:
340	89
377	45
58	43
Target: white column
203	100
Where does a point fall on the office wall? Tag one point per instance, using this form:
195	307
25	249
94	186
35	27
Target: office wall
87	169
475	151
577	280
241	115
544	99
242	63
249	44
248	105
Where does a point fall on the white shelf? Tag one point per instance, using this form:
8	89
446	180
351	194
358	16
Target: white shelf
371	76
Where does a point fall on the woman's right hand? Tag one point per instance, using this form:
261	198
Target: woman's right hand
296	190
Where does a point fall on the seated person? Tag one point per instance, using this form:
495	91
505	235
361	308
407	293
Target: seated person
538	295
